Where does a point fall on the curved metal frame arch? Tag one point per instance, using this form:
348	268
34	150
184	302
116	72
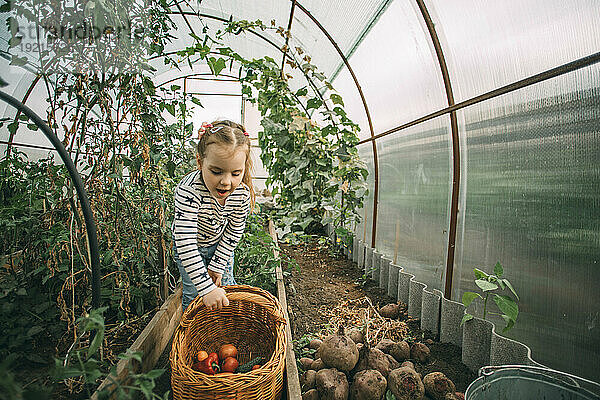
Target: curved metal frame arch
88	215
455	149
366	107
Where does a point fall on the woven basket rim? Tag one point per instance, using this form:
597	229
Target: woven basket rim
273	366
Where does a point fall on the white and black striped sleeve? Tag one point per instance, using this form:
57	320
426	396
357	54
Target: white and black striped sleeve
232	234
185	232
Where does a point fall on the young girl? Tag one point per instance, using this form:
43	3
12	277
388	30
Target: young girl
211	206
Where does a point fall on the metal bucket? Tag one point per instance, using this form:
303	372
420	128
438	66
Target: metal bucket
522	382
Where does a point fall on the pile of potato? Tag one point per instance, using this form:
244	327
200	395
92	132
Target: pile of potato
345	367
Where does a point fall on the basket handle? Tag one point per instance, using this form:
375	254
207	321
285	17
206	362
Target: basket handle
260	300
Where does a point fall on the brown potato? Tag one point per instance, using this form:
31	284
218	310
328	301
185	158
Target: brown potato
332	384
437	385
406	384
368	385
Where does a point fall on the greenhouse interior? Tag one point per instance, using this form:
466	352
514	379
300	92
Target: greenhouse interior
425	177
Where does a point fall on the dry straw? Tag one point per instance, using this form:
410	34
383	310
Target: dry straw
253	322
361	314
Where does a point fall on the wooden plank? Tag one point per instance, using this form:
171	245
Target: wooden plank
291	370
152	341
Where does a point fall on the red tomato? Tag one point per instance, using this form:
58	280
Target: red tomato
229	365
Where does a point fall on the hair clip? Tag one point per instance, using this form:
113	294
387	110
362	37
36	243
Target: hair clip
203	129
246	134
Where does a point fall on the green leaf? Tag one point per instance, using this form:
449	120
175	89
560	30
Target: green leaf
509	323
98	337
149	87
195	100
34	330
302	92
337	99
465	318
508	284
171	168
507	305
498	270
170	108
12	127
468	298
501	283
67	372
155	373
175	87
32	127
479	274
485	285
313	103
18	61
14	41
216	65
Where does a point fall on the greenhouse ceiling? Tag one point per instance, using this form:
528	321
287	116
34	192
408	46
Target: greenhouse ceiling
478	122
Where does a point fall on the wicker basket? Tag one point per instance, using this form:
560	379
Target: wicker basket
254	323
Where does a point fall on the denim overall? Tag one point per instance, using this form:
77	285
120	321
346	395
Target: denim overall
189	289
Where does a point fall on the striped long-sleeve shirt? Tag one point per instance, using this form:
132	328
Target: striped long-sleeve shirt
200	221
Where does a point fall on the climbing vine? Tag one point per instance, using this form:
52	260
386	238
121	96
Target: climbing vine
314	170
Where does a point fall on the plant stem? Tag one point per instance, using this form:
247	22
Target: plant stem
485	305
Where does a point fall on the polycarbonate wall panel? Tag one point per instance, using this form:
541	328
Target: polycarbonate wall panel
251	122
353	104
307	35
397	70
265	10
20	83
365	228
533	203
414	186
489	44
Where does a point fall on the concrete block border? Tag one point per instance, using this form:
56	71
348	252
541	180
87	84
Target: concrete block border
404	279
384	272
430	311
376	265
393	281
368	265
480	343
361	255
415	297
450	316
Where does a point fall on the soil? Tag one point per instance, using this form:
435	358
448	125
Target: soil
325	280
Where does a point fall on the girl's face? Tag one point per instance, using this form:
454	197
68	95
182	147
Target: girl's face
222	169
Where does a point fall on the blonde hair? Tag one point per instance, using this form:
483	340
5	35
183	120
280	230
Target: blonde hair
230	133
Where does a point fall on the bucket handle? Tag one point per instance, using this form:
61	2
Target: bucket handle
567	378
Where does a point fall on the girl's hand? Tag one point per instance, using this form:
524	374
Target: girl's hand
216	277
216	299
